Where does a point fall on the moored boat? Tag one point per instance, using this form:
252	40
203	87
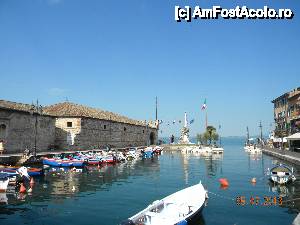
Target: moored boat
281	174
175	209
63	162
94	161
31	171
147	153
4	180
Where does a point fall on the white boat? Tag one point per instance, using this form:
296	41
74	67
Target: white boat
281	174
175	209
253	149
217	150
4	180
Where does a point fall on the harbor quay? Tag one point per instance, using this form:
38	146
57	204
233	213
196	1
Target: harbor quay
293	157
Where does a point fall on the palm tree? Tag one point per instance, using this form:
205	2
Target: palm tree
212	134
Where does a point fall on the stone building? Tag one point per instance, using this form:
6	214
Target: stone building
69	126
287	113
21	128
82	127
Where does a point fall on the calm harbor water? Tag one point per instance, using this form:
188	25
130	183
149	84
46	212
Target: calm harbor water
108	195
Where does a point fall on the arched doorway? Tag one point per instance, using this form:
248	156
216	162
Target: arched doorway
2	131
152	138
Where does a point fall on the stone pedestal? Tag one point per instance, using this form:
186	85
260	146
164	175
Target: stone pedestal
184	137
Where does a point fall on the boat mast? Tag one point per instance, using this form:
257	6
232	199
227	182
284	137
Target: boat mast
248	135
205	119
156	117
260	126
220	134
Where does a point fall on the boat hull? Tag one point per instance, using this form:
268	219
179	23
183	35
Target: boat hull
32	172
282	174
63	163
179	208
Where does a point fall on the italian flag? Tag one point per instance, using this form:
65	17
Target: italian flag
204	105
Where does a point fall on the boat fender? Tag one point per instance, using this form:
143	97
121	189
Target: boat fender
183	222
22	188
224	182
253	180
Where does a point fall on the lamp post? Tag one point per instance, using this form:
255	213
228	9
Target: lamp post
261	134
147	133
35	110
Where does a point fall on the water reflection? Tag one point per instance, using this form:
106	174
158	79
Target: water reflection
59	184
115	192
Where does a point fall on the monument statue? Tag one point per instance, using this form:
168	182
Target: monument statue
184	136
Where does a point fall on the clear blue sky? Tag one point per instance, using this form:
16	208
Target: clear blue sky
119	55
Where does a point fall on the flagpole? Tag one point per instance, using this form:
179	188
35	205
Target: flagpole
205	119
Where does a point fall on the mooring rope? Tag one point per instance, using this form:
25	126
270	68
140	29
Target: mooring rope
220	196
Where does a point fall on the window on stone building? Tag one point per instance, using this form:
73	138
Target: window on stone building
104	127
143	131
69	124
125	129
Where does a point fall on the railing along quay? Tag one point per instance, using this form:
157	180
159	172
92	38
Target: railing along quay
293	157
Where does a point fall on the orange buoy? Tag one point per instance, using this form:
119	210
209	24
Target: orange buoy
22	188
31	181
224	182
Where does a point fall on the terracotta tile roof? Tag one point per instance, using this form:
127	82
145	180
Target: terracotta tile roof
15	106
68	109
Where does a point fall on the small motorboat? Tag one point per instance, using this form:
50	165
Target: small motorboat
13	178
281	174
252	149
175	209
147	153
109	159
63	162
158	150
31	171
94	161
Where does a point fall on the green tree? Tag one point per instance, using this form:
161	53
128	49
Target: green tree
211	134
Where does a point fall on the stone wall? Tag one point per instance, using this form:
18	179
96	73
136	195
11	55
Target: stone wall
18	131
87	133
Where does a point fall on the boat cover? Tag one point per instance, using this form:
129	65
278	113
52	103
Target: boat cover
4	176
281	169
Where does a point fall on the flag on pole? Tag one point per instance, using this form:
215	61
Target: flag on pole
204	105
192	121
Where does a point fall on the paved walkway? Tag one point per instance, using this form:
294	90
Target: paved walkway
293	157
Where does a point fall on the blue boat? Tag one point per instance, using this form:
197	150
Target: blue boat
148	153
32	172
63	162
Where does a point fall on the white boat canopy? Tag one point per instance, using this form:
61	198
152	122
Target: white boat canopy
294	137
